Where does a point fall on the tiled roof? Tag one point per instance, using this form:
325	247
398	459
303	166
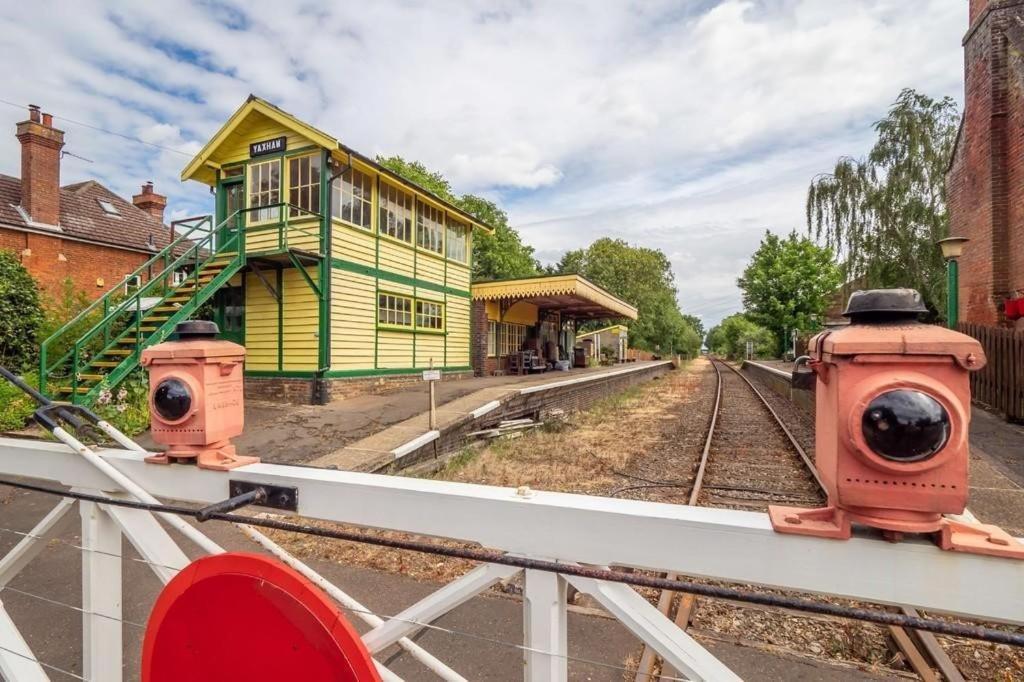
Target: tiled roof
82	217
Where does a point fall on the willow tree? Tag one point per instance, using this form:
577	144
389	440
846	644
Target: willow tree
883	214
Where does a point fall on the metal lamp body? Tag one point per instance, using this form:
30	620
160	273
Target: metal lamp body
210	371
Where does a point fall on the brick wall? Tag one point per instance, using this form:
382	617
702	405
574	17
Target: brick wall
986	179
52	260
478	345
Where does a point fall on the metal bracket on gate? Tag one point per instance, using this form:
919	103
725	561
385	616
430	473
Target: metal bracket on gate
285	498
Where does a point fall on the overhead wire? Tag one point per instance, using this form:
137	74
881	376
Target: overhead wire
98	129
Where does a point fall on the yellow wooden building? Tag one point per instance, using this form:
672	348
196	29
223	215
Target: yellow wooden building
346	269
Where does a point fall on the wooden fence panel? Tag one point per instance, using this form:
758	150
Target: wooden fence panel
1000	384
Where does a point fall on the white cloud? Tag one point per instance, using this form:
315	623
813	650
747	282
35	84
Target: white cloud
688	126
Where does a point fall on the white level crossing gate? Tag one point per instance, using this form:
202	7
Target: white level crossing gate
724	545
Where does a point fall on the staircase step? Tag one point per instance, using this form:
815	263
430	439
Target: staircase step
167	309
173	299
104	363
90	377
156	318
68	389
117	351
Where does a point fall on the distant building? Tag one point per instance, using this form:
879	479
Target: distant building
81	231
986	176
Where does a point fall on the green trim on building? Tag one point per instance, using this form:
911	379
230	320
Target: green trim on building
377	273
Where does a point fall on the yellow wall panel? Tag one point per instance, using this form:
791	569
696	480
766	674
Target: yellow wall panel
353	244
255	129
300	326
353	320
396	258
429	269
519	313
260	326
458	276
394	350
430	346
457	311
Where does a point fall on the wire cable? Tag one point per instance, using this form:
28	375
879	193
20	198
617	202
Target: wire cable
966	630
104	130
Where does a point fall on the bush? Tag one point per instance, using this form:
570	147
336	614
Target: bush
731	336
16	408
20	314
127	406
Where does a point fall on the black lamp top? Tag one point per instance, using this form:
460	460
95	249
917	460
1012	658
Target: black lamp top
196	329
882	305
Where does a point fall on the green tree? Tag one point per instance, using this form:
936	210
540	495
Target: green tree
20	314
501	255
787	285
731	335
696	323
643	278
883	214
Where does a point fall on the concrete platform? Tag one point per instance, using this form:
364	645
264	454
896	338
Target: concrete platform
412	440
301	434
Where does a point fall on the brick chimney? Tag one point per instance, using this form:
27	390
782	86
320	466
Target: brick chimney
151	202
975	8
40	166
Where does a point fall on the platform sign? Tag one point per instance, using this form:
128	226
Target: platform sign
238	616
431	375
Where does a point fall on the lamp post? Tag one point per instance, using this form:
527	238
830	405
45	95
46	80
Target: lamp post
952	248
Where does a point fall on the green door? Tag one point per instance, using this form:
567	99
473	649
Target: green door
229	313
230	198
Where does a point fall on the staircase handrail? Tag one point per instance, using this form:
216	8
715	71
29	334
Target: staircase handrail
187	236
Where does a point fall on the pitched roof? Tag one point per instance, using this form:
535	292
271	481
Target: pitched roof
201	165
82	216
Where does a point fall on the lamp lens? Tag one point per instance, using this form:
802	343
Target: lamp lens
172	399
905	425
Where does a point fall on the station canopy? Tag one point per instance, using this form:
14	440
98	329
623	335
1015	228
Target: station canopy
571	295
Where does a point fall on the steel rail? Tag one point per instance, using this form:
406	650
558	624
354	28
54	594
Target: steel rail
492	556
900	636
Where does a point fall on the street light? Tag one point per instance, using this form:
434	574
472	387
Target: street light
952	248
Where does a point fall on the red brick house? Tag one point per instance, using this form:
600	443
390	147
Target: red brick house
986	176
81	231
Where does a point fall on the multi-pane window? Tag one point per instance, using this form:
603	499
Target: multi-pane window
492	338
429	227
352	198
455	240
429	315
304	185
511	338
264	190
395	212
394	310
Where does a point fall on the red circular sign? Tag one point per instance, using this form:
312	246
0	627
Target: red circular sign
248	617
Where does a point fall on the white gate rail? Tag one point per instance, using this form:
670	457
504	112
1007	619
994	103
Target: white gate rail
719	544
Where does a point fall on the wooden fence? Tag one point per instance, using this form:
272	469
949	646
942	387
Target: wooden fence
1000	384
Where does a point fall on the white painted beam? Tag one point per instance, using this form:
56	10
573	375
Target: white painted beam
29	547
17	662
716	543
545	627
653	628
101	595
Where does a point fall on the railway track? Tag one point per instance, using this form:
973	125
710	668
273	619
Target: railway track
736	471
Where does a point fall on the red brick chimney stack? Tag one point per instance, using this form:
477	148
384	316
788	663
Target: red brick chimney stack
40	166
976	7
151	202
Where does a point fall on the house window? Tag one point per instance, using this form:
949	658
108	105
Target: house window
132	283
352	198
455	240
492	338
429	315
394	310
264	190
108	207
304	185
395	213
429	227
511	338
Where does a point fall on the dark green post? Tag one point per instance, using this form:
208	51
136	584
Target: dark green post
953	295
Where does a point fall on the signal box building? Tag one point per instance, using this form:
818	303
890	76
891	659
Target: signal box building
350	272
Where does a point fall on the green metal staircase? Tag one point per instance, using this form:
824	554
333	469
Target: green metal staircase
104	343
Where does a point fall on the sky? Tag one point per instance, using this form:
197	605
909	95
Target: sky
690	126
